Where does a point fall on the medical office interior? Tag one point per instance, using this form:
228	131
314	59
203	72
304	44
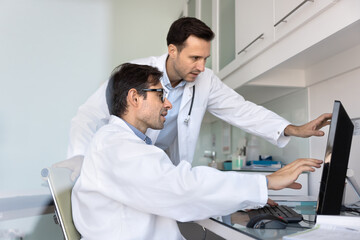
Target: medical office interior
56	53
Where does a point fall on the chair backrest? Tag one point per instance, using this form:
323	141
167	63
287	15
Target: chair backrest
61	186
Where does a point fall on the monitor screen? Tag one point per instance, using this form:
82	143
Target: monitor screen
335	162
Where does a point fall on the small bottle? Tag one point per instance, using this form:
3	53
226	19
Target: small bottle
213	164
242	158
235	161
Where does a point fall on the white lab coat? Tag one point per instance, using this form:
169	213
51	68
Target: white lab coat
130	190
210	95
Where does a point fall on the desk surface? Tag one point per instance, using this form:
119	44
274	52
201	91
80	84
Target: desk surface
235	227
240	219
12	207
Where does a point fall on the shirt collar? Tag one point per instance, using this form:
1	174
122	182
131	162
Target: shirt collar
138	133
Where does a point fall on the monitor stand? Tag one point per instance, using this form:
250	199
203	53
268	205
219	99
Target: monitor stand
350	178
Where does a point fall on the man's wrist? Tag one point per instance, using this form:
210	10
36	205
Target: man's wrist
289	130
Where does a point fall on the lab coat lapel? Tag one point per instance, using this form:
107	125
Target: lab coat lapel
186	99
183	129
152	134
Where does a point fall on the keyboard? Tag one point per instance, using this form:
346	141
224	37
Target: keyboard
282	211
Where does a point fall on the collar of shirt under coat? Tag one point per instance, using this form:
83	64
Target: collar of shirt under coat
138	133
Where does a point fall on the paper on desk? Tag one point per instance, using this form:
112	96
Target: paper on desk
356	122
292	198
331	228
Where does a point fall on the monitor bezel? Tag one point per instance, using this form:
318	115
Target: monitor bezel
335	165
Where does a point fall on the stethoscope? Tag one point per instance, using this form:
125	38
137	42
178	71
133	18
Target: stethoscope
187	119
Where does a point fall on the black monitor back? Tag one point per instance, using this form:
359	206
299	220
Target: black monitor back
336	162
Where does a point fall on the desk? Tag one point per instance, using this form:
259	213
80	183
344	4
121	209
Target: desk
28	216
238	229
234	226
20	206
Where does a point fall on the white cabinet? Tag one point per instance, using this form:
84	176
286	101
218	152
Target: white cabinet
311	25
206	17
254	27
191	8
264	34
226	36
260	24
289	15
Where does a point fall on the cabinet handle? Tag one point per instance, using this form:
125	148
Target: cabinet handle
244	49
287	15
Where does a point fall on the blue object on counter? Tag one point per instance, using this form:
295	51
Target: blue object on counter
266	158
264	162
228	165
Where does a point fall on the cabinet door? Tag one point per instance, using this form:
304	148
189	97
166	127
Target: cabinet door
254	27
206	17
191	8
226	32
289	15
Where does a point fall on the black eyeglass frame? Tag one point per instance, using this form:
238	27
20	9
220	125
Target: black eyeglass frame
156	90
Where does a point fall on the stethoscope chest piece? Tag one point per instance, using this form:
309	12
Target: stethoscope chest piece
187	119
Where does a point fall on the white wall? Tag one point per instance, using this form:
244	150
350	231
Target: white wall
54	54
336	78
344	86
292	107
141	27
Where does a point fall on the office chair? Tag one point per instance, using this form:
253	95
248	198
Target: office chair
61	186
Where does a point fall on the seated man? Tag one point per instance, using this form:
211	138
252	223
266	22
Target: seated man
130	189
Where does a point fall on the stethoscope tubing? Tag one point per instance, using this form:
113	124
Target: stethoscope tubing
187	119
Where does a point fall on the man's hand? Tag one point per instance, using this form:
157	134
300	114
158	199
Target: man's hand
272	202
309	129
74	164
286	176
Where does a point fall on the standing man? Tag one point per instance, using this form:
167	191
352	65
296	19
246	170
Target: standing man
129	188
193	90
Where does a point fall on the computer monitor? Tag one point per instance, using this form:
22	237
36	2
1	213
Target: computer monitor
335	162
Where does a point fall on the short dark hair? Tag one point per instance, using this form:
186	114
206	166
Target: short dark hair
126	77
182	28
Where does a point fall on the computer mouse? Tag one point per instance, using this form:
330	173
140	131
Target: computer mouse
267	221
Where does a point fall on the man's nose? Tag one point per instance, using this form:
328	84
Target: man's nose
201	65
167	104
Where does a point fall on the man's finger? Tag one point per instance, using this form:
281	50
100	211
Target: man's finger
319	133
271	202
295	185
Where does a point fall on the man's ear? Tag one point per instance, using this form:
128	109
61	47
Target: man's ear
172	50
133	97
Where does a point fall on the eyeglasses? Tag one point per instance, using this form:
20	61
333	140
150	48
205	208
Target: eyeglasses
162	95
